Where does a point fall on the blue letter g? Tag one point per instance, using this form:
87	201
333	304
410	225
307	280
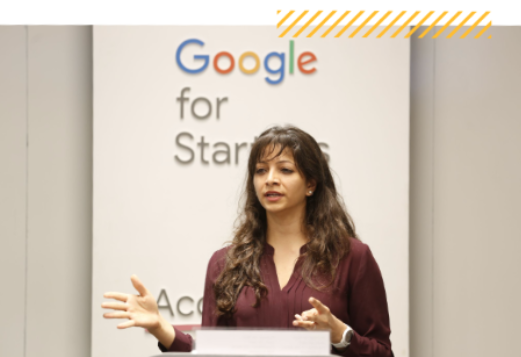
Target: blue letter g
206	58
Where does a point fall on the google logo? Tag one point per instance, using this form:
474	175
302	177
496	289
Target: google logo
303	60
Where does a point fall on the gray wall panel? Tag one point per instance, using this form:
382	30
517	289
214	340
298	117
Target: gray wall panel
476	174
478	190
60	191
13	153
421	196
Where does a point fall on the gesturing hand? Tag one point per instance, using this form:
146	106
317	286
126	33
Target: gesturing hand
141	310
320	318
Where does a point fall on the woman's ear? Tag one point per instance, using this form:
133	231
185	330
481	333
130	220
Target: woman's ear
312	185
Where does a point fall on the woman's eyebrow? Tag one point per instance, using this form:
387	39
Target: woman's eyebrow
278	162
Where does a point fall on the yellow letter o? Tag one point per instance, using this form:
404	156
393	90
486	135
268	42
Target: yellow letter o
255	57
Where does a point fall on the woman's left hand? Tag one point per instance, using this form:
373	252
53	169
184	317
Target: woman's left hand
320	318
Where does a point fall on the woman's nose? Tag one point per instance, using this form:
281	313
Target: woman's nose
272	177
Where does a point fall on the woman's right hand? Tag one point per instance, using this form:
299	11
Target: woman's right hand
140	310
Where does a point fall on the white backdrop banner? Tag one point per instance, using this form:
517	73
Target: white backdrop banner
175	112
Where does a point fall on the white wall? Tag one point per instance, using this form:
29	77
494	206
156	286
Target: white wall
46	190
162	220
465	195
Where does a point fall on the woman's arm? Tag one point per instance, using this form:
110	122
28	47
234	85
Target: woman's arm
164	333
183	342
368	311
140	311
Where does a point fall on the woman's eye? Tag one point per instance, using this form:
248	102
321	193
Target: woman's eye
286	171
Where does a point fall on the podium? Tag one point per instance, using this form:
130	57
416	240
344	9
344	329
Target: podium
188	354
258	343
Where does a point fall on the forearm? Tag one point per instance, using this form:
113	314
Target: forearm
164	332
366	346
337	330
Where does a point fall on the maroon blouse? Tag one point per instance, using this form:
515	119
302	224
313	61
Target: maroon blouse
357	298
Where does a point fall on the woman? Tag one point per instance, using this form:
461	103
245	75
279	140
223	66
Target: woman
295	260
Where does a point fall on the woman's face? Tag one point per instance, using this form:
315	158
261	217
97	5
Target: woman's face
279	186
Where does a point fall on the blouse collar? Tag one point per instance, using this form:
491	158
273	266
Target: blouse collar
268	249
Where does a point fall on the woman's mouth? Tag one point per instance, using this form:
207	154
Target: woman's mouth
273	196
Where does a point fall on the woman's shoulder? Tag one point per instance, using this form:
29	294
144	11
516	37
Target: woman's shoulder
357	247
361	257
217	262
359	253
219	257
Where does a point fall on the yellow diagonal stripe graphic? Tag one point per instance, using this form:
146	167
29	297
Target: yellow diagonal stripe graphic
336	23
307	24
363	24
419	24
391	24
293	23
433	24
285	18
446	25
414	26
349	24
377	24
475	24
321	24
405	24
483	31
461	24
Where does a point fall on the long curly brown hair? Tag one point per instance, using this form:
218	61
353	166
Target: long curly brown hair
327	223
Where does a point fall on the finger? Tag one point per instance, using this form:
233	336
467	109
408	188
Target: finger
127	324
304	324
114	305
298	317
308	313
117	296
138	285
311	318
321	308
116	315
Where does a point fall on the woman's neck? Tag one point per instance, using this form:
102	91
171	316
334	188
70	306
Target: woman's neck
285	231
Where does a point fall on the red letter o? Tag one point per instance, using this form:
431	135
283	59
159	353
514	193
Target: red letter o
216	60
